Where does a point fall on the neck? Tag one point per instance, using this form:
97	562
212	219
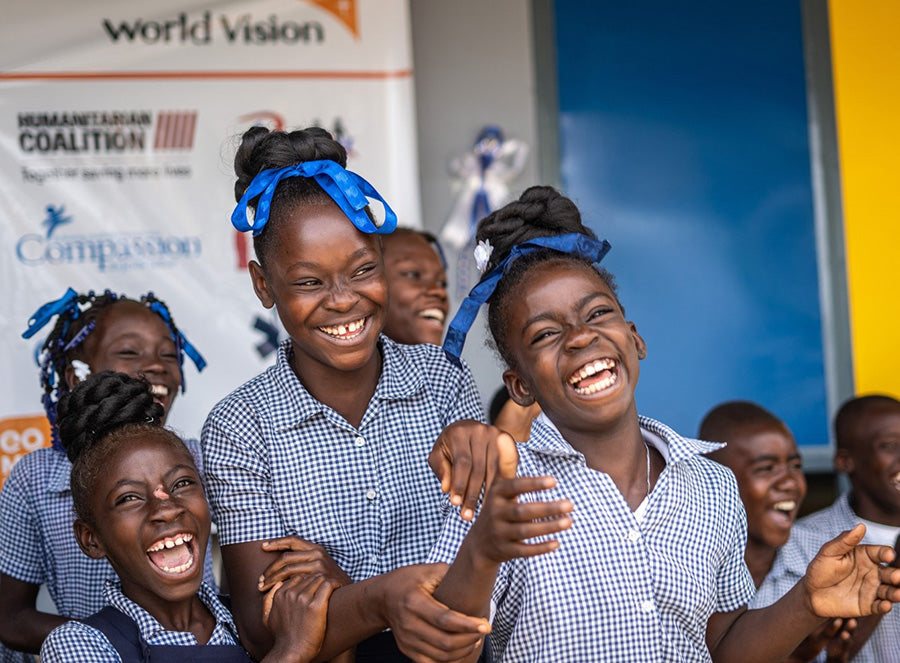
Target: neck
868	509
186	615
759	558
346	392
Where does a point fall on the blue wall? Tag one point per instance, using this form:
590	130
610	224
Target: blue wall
683	133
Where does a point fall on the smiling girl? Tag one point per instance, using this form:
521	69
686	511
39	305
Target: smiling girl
91	333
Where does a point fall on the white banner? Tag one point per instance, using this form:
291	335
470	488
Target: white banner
118	124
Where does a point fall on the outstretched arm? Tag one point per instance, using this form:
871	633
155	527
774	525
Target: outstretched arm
22	626
845	579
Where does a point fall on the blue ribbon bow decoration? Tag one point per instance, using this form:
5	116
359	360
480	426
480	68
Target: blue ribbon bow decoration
347	189
572	243
184	346
69	301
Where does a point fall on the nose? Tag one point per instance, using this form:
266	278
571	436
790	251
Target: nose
579	337
163	507
341	297
436	288
789	479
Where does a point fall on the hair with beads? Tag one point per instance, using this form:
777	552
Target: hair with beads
541	211
103	412
77	318
261	149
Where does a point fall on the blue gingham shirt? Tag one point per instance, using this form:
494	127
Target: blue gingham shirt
76	642
619	588
37	543
279	462
808	535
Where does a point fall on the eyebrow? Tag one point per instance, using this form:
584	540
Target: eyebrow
181	467
302	264
550	316
771	458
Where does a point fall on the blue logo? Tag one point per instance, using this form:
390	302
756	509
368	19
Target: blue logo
105	251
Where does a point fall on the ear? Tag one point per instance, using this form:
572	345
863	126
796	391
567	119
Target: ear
260	285
843	462
518	388
639	342
69	376
87	540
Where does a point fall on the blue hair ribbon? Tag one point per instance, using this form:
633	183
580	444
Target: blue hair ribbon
68	302
347	189
184	346
571	243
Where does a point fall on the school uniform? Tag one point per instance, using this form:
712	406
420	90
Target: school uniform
622	586
278	462
37	542
808	535
76	641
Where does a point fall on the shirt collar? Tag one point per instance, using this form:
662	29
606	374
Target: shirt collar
545	438
400	378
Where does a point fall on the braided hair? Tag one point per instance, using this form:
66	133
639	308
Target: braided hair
261	149
103	412
541	211
75	321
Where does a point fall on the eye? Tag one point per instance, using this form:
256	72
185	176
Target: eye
796	465
411	274
308	284
598	312
126	499
888	446
184	482
542	335
365	270
762	470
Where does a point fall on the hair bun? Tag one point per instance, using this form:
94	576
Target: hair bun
102	403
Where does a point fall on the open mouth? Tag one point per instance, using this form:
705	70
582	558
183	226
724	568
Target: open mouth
173	554
159	391
435	314
346	332
595	376
785	511
895	481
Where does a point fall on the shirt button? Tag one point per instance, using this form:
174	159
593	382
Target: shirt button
647	606
633	535
371	495
359	441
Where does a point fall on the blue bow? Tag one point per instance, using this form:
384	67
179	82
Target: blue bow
184	346
572	243
68	302
347	189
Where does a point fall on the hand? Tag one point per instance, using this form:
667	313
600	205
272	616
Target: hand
834	636
295	612
847	579
464	458
425	630
299	558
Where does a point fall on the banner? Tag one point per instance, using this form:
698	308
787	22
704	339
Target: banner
118	126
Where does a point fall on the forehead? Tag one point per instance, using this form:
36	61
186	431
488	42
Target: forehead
878	420
315	226
751	442
557	285
403	245
145	455
126	316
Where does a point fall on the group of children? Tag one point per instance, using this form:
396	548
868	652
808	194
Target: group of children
364	509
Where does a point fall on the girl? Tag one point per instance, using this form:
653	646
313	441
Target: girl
330	444
647	563
91	333
141	506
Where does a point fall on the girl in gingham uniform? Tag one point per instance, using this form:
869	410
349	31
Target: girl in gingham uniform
91	333
618	540
331	443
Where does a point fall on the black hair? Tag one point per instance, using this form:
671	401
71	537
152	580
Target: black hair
101	413
72	327
261	149
431	238
725	419
854	409
541	211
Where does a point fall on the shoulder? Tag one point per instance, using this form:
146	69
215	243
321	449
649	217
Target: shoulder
35	470
74	642
424	359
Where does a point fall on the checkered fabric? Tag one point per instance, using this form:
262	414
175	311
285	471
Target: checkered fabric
619	589
75	642
279	462
808	535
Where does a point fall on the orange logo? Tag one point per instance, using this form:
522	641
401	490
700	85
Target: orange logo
343	10
19	436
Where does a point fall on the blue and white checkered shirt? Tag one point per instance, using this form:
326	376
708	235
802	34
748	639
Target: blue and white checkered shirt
619	588
808	535
76	642
279	462
37	543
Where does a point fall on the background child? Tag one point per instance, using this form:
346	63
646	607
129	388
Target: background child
651	567
331	443
417	287
91	333
867	433
141	506
761	451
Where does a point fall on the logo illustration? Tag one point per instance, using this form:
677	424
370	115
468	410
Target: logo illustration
55	218
175	130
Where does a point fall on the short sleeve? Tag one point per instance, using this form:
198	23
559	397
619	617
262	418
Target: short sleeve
734	584
20	543
238	479
74	642
467	402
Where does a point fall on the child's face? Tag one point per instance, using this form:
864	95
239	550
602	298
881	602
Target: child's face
574	352
326	280
152	519
770	478
417	284
872	462
130	338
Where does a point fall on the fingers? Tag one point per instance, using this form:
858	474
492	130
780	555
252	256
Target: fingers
289	543
844	542
267	603
507	456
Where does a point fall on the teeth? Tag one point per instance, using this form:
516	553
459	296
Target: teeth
171	542
590	369
433	313
159	390
785	505
344	330
605	383
178	569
